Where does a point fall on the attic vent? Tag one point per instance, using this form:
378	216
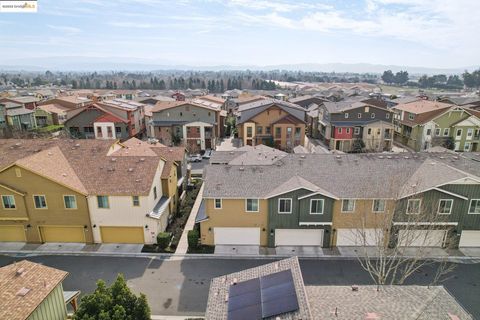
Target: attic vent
111	169
23	291
241	169
442	157
20	272
49	153
77	145
338	157
455	157
37	150
138	180
18	144
130	169
354	287
302	156
380	157
231	152
64	174
433	163
406	157
114	159
389	157
142	159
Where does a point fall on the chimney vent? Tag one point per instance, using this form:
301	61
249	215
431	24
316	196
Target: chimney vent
354	287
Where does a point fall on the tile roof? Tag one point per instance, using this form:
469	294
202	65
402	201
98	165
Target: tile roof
122	104
39	279
390	302
367	176
110	117
423	117
248	155
164	105
217	307
18	111
250	110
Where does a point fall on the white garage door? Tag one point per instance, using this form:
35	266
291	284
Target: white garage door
359	237
469	239
237	236
421	238
298	237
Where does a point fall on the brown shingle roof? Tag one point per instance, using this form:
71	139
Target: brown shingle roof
99	170
41	280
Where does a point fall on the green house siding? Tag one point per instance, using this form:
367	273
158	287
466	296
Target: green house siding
429	206
300	213
471	191
52	308
446	120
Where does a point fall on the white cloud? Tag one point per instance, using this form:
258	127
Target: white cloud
65	29
122	24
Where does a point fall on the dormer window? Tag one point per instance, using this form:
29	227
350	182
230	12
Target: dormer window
359	116
346	115
411	116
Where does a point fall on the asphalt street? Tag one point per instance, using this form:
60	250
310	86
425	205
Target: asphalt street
180	287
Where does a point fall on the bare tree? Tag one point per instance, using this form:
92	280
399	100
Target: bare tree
399	239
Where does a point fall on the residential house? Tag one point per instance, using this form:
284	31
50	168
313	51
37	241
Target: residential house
271	122
96	122
414	125
258	197
44	94
84	191
233	103
153	100
31	290
178	96
467	102
277	291
355	126
125	94
70	102
188	123
49	114
131	112
307	100
27	102
18	117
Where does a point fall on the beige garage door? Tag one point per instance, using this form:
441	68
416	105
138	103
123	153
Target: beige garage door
298	237
237	236
469	238
12	234
359	237
421	238
122	234
62	234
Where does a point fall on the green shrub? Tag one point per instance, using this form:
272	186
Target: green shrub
163	239
193	236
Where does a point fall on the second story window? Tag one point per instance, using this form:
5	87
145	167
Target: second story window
346	115
359	116
70	202
278	132
316	206
446	132
102	202
474	206
249	132
413	206
378	205
259	130
109	132
8	202
40	201
284	205
251	205
356	130
340	130
437	132
348	205
411	116
267	130
99	132
155	192
348	130
218	203
372	115
136	201
387	116
445	206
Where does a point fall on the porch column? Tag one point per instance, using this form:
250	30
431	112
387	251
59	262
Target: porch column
202	137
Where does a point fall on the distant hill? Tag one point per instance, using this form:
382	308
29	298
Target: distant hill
138	64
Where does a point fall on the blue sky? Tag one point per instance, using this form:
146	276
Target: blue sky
431	33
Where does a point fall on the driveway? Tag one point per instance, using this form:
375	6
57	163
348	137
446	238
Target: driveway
180	286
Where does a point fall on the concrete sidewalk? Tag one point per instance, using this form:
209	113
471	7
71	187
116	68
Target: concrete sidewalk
182	247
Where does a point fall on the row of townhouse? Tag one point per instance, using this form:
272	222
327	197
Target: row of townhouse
87	191
352	125
423	124
271	122
262	197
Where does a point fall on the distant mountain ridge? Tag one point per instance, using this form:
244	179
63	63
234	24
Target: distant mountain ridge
139	64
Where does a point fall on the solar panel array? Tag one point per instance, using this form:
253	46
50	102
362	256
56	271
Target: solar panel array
262	297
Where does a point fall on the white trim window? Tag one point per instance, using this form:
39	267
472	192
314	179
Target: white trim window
356	130
413	206
387	116
445	206
446	132
40	201
285	205
378	205
348	205
102	202
136	201
474	206
437	132
467	146
316	206
217	203
372	115
70	202
251	205
8	202
346	115
359	115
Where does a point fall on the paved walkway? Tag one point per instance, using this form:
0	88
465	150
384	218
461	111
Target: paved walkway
182	247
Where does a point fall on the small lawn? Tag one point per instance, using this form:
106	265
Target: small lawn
51	128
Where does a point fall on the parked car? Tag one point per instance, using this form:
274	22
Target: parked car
195	158
207	154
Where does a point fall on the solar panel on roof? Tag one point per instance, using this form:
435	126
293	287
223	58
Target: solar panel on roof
263	297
